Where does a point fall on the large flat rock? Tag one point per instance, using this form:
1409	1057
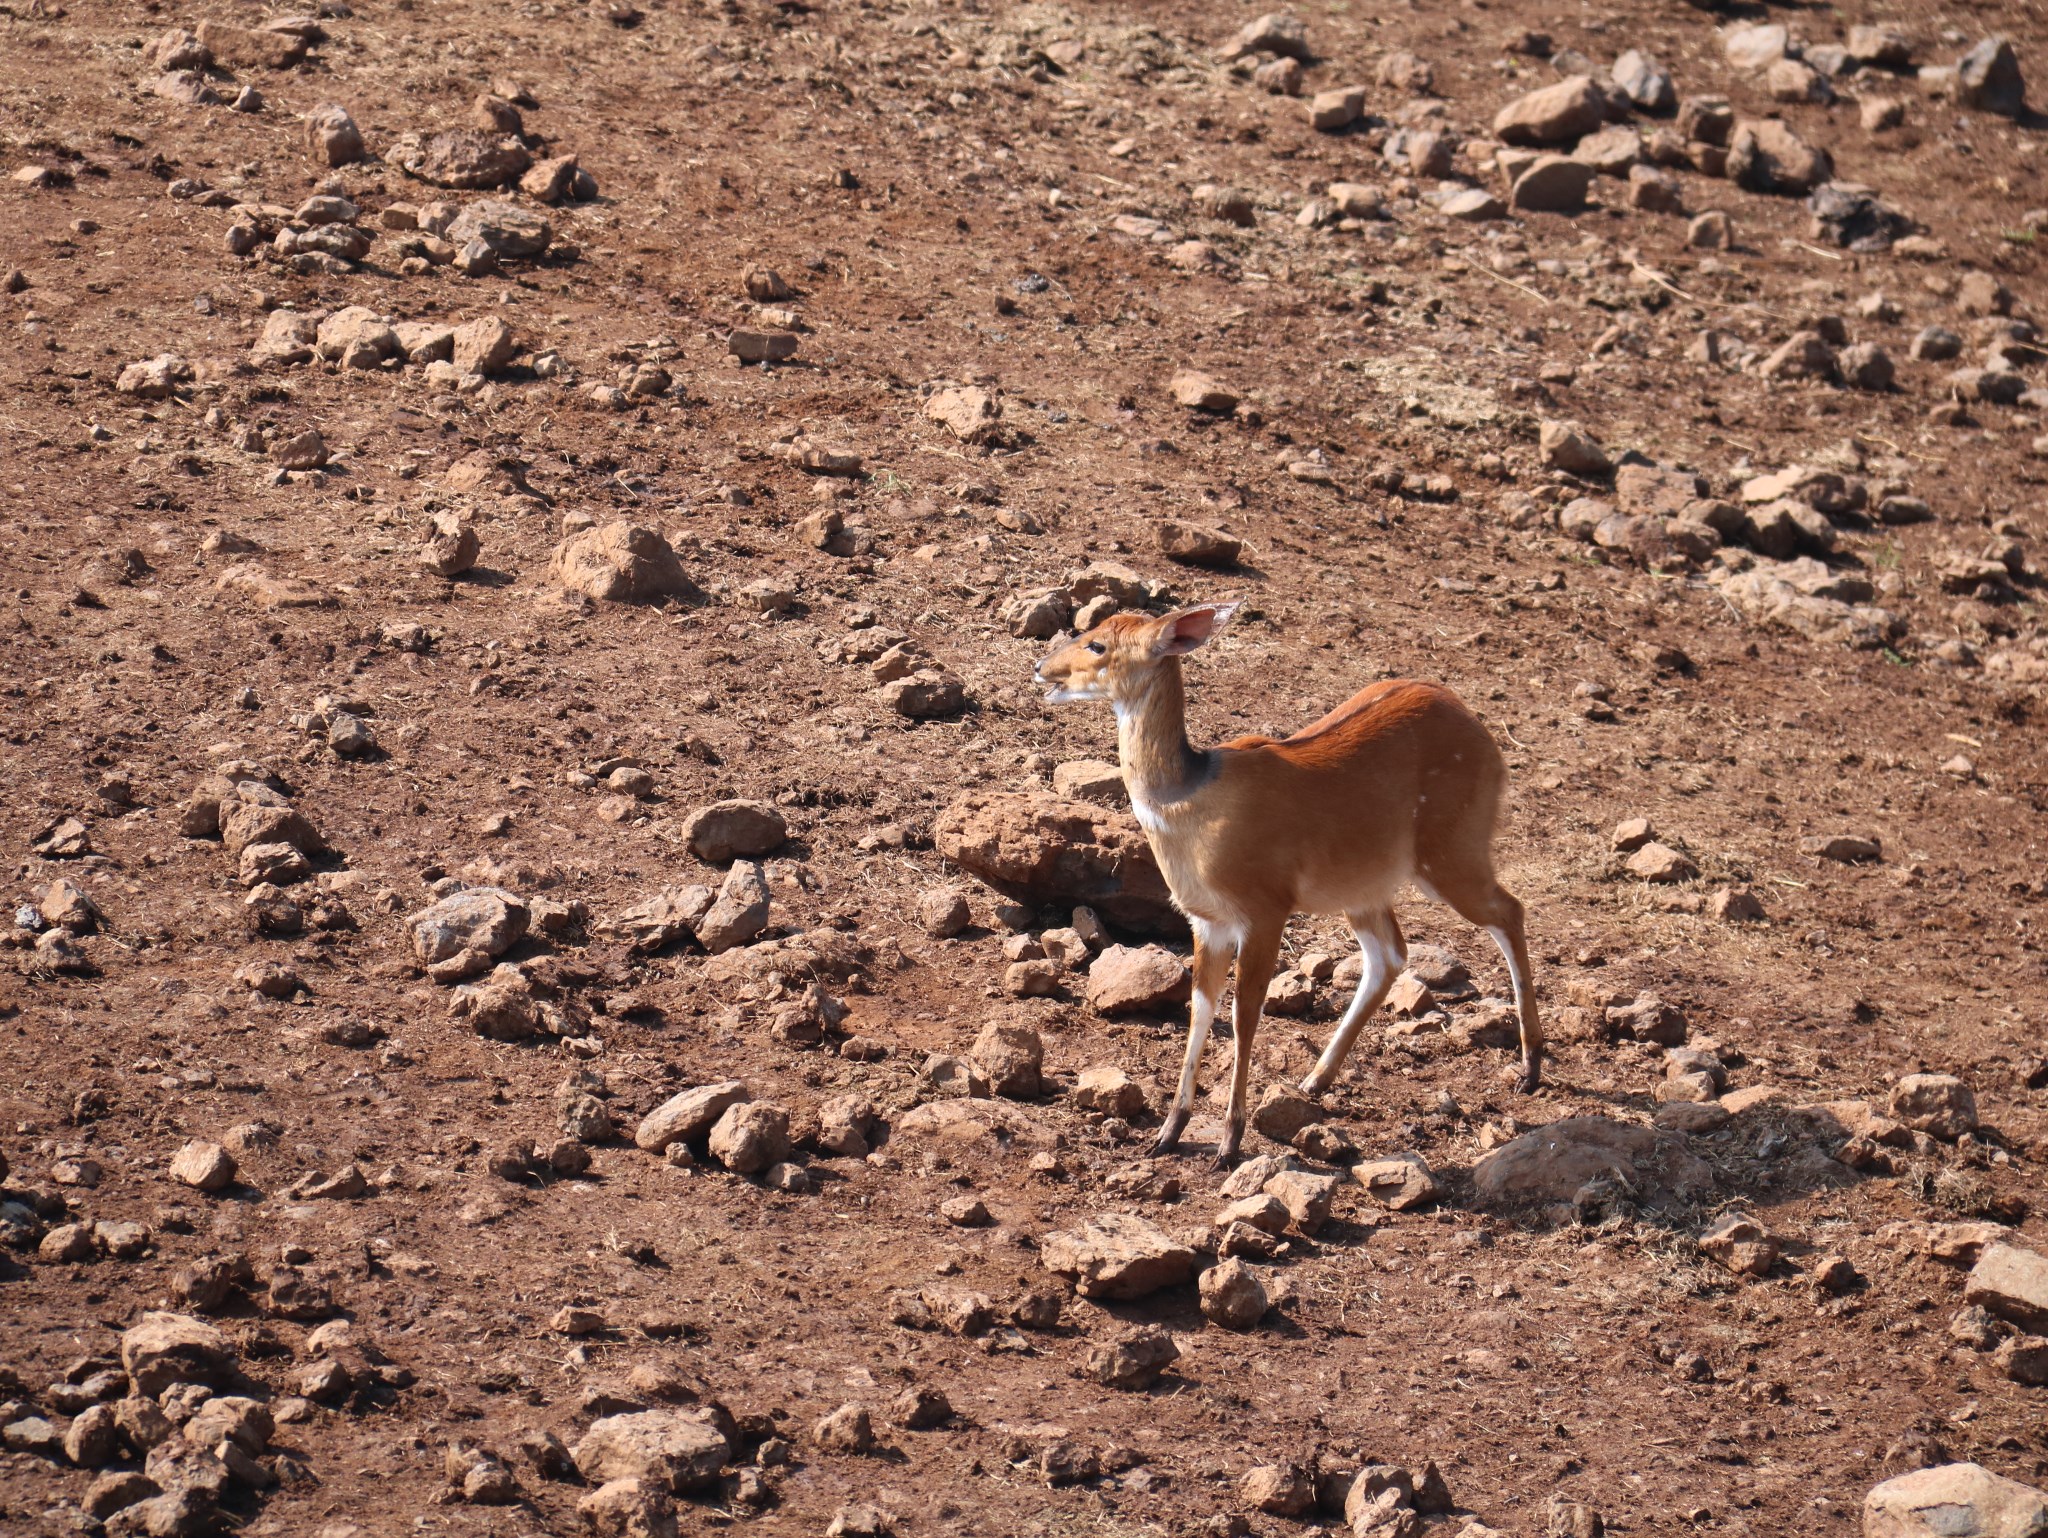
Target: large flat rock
1040	849
2013	1284
1568	1159
1118	1256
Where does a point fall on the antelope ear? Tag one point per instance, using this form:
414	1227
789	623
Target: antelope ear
1185	629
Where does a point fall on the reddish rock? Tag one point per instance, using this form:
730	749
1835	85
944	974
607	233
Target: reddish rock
1045	850
1127	979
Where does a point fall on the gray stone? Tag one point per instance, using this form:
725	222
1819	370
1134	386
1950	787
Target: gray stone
1581	1158
203	1166
1135	1359
1552	184
1938	1104
1643	81
1275	33
1566	446
1988	79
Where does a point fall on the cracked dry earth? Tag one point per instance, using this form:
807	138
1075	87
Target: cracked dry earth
372	552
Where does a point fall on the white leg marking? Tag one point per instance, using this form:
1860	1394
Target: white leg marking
1379	961
1500	938
1202	1013
1201	1017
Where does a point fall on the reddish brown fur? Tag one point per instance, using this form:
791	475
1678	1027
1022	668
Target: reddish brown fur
1400	783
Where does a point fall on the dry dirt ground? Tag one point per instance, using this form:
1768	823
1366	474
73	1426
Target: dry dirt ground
958	195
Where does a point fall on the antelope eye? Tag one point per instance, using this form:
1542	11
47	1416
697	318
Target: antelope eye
1097	647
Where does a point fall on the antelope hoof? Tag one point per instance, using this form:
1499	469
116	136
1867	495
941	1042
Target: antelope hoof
1313	1085
1169	1135
1531	1079
1226	1152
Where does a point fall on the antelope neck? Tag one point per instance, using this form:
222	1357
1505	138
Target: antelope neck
1152	739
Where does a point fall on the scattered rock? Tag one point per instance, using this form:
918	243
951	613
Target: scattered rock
332	138
1232	1295
1565	446
1988	79
1767	156
927	694
1135	1359
1201	392
1583	1159
942	912
1844	849
969	414
1556	114
1935	1103
450	547
689	1116
1552	184
462	935
1739	1244
1192	545
629	1508
1278	1491
1089	779
1109	1091
466	158
1117	1256
1953	1500
1010	1057
848	1429
1332	112
507	230
671	1449
250	48
1402	1182
740	911
750	1136
162	1349
919	1408
725	830
1644	82
1274	33
203	1166
1660	864
619	562
2012	1283
1127	979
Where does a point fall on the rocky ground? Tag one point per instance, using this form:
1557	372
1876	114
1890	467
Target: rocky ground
565	980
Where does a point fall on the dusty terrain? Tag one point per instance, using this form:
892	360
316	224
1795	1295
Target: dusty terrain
1003	200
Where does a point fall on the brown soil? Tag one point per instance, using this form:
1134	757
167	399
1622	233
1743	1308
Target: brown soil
1528	1359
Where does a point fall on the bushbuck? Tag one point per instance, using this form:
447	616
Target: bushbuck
1400	784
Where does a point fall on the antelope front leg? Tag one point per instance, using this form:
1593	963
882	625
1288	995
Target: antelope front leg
1212	963
1255	959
